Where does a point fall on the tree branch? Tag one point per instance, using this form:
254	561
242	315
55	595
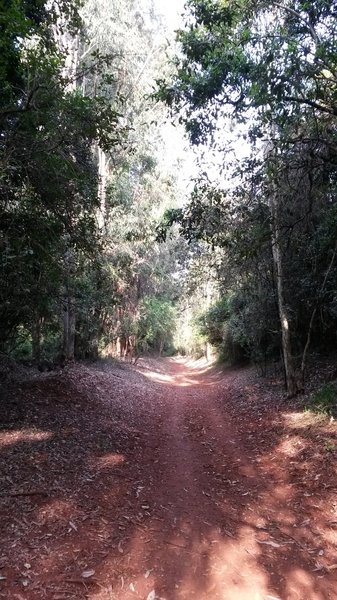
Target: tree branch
299	16
330	110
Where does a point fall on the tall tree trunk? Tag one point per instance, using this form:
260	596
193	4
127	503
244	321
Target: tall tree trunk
289	366
70	45
103	164
208	303
68	306
36	338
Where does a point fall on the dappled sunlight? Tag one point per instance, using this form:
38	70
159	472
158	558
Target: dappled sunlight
305	420
292	446
301	585
198	364
182	372
180	380
109	460
159	377
189	566
302	420
56	515
203	566
56	509
236	572
165	492
8	438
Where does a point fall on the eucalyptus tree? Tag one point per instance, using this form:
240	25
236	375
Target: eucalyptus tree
48	178
271	65
134	182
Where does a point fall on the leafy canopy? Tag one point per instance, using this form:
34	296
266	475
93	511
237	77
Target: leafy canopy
276	58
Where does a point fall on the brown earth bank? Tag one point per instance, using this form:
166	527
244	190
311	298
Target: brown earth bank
171	480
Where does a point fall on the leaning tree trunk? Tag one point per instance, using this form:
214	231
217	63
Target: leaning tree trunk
290	373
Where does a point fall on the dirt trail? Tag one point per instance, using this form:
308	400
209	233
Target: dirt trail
178	481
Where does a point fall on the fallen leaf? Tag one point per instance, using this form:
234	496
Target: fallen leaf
332	567
151	596
304	523
132	587
72	525
88	573
270	543
139	489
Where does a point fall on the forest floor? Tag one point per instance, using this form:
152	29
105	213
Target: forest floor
170	480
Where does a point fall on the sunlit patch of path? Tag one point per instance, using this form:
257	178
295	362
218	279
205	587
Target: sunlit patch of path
215	526
170	480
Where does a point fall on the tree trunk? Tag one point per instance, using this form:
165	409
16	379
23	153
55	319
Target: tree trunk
36	338
289	367
68	328
68	307
103	163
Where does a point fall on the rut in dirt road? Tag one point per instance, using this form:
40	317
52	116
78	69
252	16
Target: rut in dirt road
172	482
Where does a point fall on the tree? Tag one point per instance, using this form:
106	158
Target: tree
48	178
246	55
271	65
156	325
134	181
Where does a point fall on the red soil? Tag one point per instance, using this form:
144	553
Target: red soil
174	481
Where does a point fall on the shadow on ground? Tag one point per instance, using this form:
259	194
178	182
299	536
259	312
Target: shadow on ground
177	481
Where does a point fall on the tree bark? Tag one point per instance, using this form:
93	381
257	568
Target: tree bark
36	338
103	170
68	307
70	45
68	328
290	373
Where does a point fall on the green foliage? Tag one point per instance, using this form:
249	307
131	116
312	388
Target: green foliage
48	178
247	55
156	326
23	345
324	401
212	322
268	67
223	327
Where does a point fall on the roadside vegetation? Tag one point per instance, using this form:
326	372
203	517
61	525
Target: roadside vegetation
108	247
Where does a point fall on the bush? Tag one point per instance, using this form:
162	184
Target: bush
324	401
156	326
21	349
211	323
214	327
254	325
230	350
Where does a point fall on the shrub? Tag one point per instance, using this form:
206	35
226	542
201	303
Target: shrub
324	401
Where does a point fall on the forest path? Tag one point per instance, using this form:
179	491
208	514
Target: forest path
174	480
